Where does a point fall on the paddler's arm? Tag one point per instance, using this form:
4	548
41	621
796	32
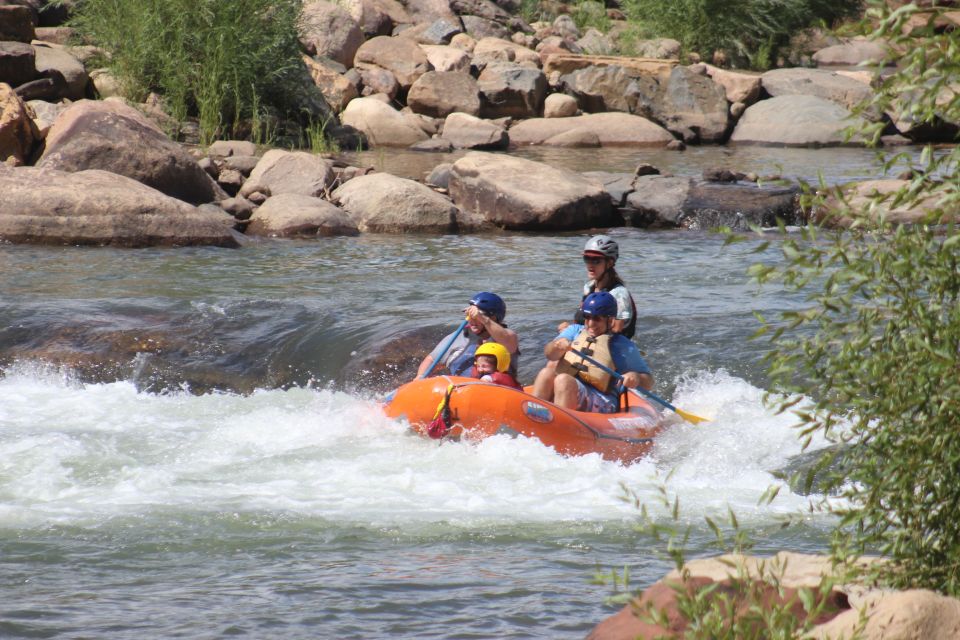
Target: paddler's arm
556	348
618	326
633	380
499	333
424	366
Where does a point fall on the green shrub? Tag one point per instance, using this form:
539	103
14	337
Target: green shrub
877	348
218	61
590	14
749	32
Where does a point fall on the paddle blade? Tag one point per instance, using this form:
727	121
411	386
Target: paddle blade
689	417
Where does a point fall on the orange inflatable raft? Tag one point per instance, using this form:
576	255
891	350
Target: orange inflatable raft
478	410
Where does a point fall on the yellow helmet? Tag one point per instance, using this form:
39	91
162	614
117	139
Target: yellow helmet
496	350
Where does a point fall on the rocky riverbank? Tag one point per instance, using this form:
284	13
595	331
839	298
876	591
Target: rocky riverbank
886	614
430	76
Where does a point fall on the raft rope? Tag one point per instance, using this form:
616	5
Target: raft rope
440	425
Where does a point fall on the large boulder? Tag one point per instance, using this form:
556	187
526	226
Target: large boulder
296	172
16	24
440	93
401	56
670	202
60	60
606	88
833	86
376	17
858	51
47	206
447	58
18	63
510	89
337	90
384	203
295	215
612	130
738	86
796	121
469	132
382	124
488	50
515	193
18	133
328	31
113	136
692	106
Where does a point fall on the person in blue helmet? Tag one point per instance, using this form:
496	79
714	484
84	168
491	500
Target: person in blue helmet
575	383
484	313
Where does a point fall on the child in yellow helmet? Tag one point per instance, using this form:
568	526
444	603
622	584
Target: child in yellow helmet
491	362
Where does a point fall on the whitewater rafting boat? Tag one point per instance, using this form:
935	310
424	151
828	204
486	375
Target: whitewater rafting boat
453	407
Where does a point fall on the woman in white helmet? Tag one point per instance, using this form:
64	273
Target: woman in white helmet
600	257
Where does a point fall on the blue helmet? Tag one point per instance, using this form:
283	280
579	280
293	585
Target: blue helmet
491	304
599	303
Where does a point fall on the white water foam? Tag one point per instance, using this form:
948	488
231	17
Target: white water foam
76	454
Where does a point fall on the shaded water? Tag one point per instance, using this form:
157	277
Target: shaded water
281	502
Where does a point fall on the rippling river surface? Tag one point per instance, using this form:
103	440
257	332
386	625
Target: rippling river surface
287	505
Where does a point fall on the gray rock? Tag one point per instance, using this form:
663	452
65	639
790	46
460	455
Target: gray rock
509	89
843	90
617	185
229	148
469	132
295	215
296	172
440	32
17	63
795	121
51	58
660	201
18	133
439	176
612	129
438	94
401	56
382	203
519	194
112	136
574	139
688	101
327	30
16	24
381	124
433	145
610	88
47	206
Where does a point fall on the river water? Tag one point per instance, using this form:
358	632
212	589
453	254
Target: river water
240	479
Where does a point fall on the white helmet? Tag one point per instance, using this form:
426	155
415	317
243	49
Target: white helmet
604	245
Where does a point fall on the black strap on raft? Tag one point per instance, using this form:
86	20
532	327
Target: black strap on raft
441	423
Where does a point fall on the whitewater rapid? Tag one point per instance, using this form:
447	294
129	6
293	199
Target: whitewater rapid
78	454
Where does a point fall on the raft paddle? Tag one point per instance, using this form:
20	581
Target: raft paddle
426	374
686	415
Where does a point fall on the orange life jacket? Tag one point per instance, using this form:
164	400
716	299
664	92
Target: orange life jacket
596	348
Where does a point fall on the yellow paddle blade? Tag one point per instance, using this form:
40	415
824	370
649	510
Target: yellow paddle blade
689	417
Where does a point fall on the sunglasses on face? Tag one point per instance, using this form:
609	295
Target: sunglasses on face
593	260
